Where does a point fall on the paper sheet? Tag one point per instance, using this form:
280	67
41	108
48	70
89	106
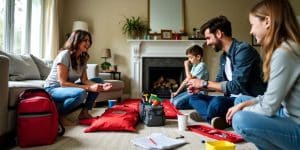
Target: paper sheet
157	141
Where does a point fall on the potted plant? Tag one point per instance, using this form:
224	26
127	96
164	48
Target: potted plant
134	27
105	66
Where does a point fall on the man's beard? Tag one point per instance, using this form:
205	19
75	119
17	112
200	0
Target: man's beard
218	46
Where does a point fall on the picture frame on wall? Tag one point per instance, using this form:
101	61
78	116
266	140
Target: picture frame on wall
254	42
166	34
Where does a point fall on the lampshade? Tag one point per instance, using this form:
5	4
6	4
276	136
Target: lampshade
80	25
107	53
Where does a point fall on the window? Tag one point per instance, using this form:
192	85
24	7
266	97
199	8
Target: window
21	26
2	22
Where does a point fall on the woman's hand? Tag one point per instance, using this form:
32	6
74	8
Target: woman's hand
100	87
106	86
231	111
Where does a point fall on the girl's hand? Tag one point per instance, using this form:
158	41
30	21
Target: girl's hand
231	111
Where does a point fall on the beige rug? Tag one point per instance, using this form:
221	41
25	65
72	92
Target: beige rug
75	138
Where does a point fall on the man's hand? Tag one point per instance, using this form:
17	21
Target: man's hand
194	86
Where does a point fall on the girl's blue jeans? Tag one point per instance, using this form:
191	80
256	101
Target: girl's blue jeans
69	98
276	133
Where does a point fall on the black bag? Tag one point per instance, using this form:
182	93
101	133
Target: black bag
152	115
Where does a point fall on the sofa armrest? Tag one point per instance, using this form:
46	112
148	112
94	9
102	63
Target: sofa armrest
4	69
92	70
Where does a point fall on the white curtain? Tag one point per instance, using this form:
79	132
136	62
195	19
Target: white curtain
51	31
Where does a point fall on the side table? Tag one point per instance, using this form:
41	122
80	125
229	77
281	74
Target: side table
114	74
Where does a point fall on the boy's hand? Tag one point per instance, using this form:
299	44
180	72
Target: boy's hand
173	94
187	63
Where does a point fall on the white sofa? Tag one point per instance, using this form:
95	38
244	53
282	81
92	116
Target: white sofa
17	75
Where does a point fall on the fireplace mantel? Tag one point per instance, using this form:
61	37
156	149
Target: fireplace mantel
153	48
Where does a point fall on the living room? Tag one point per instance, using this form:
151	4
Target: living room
105	19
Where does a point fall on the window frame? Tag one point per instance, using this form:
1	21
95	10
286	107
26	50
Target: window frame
9	27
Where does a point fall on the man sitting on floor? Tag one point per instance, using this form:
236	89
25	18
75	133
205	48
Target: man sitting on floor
240	72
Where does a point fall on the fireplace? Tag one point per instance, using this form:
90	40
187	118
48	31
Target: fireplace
162	75
154	49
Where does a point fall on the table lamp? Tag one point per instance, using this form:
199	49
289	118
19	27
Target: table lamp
80	25
107	54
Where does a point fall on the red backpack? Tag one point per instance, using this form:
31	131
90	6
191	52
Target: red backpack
37	119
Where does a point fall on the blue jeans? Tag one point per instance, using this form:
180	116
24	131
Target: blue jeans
265	132
68	98
181	101
211	106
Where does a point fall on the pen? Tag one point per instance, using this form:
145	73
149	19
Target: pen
152	141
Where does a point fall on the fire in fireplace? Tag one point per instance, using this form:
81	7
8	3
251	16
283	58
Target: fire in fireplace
162	75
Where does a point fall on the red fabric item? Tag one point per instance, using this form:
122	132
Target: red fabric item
130	103
88	121
216	133
37	118
170	110
121	117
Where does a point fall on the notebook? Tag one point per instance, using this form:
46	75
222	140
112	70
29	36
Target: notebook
157	141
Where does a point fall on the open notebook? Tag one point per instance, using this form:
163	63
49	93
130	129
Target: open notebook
157	141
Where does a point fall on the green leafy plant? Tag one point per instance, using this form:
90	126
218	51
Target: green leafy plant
134	27
105	65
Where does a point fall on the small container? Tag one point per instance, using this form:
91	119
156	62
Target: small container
111	103
115	68
219	145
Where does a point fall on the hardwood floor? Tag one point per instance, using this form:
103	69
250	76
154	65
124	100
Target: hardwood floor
75	138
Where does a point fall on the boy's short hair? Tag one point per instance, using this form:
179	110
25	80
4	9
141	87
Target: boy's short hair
194	50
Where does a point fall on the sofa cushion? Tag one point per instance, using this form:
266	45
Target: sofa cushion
43	67
21	67
16	87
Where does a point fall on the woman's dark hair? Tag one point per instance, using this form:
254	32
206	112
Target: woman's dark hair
72	44
195	50
221	23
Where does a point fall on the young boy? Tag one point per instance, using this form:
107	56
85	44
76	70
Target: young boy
198	70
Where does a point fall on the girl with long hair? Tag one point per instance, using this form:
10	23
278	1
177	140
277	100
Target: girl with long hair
272	121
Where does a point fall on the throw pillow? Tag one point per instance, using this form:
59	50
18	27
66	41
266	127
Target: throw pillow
22	67
42	66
